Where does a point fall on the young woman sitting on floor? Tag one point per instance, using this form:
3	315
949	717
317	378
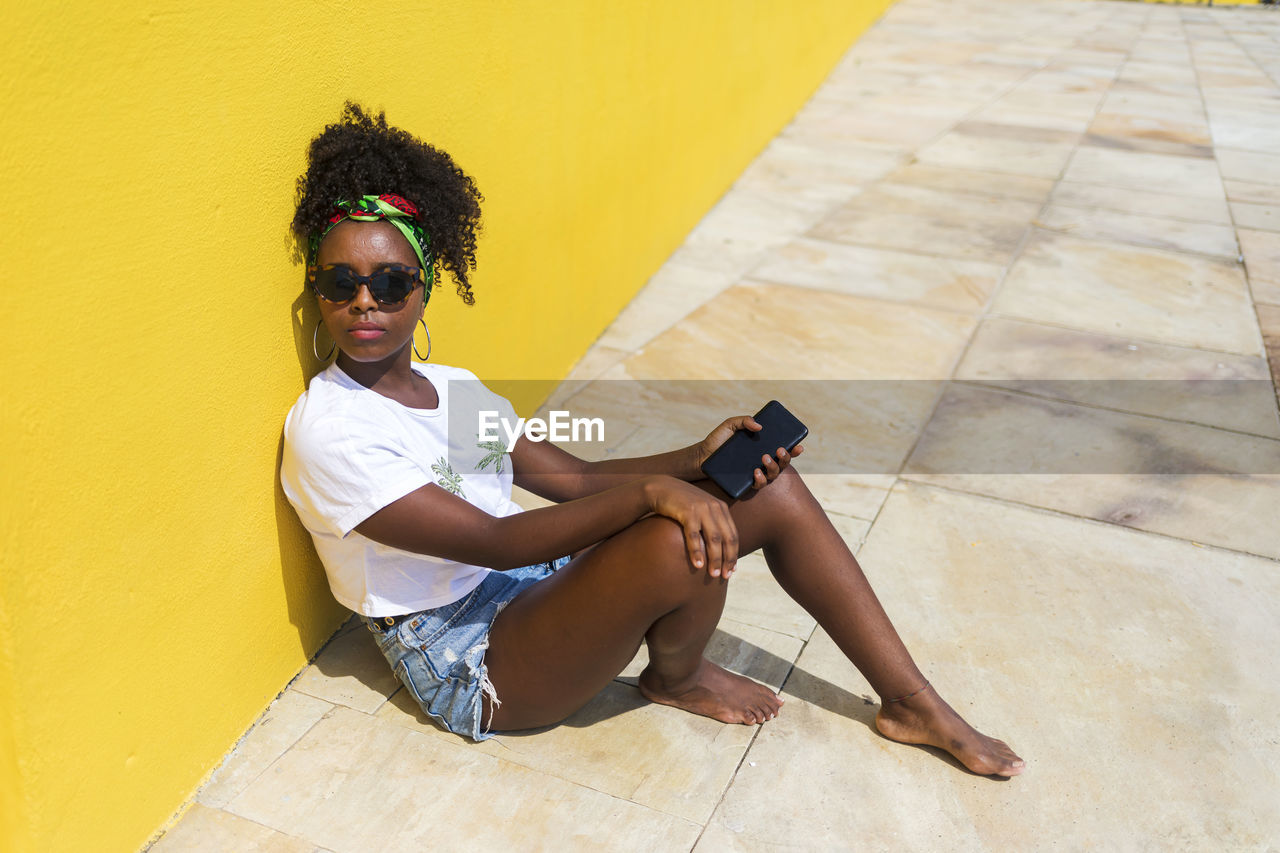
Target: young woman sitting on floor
471	600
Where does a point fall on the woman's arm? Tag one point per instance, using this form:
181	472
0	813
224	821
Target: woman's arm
556	475
594	501
559	476
430	520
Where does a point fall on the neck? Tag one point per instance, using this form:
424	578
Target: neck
391	374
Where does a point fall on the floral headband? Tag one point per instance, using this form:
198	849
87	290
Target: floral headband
398	211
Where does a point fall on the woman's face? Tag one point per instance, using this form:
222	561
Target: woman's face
363	329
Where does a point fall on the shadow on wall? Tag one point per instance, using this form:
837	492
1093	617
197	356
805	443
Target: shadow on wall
312	609
304	315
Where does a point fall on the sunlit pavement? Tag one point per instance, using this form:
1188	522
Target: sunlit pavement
981	192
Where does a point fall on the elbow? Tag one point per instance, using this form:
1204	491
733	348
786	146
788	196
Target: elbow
578	483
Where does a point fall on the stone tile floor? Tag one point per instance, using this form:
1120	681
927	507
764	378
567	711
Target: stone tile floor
985	191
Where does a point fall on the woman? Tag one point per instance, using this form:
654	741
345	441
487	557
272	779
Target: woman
470	600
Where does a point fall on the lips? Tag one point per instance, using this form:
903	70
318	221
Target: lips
365	331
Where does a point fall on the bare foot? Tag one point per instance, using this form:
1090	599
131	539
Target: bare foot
926	718
713	691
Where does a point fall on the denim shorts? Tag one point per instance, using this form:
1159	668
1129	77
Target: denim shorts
439	654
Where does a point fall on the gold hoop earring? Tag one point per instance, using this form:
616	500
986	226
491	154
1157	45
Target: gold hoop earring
426	357
315	343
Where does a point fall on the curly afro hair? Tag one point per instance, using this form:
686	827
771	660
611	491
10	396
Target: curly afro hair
362	155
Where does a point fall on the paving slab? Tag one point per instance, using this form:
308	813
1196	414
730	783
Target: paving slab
978	429
754	600
995	147
816	173
1261	250
1142	202
1178	105
1024	112
1143	133
210	830
968	180
1156	231
355	782
830	126
1101	654
931	222
1177	383
954	284
619	744
1261	217
1245	127
823	335
1110	288
857	495
1081	106
349	671
673	293
1226	511
1254	166
1144	170
286	720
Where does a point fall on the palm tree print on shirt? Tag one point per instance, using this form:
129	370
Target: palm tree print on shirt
495	457
447	478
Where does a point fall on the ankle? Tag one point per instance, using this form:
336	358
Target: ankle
906	696
668	679
916	707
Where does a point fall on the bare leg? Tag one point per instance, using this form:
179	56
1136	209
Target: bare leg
678	674
815	567
563	639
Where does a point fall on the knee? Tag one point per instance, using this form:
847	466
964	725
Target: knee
657	548
661	541
787	494
790	479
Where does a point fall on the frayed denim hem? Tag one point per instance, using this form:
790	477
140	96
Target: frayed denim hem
439	654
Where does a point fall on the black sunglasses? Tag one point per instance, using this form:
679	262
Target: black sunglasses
390	285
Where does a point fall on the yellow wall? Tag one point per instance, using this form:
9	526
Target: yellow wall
157	592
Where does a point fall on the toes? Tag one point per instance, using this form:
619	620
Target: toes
1005	765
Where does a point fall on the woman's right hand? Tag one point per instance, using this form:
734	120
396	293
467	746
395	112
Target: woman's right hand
710	535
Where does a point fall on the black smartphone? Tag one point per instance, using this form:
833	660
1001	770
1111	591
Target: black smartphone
733	465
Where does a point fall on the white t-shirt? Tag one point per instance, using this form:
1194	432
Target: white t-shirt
349	451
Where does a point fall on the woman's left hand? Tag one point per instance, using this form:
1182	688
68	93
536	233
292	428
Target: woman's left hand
770	465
